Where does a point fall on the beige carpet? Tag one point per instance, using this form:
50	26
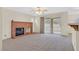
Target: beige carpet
39	42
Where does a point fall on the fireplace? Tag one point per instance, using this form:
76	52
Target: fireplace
19	31
20	28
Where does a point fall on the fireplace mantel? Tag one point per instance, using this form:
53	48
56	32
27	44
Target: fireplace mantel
19	24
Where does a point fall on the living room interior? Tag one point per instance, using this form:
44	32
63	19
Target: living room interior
40	28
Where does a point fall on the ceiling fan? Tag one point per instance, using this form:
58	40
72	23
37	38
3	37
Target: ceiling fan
39	10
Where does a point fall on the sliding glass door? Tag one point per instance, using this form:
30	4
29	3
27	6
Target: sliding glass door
47	26
52	26
57	26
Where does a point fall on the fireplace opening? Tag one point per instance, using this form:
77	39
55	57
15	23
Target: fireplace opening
19	31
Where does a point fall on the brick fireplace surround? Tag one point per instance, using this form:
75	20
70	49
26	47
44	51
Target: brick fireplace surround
17	24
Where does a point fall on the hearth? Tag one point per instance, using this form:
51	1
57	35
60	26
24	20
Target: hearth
19	31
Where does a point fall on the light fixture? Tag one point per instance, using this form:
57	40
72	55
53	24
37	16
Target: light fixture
40	10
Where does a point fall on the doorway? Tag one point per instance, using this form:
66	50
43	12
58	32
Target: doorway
52	26
57	26
47	26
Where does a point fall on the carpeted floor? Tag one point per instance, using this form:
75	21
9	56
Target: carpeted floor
39	42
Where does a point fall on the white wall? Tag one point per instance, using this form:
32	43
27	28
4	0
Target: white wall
64	24
36	24
0	29
9	15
